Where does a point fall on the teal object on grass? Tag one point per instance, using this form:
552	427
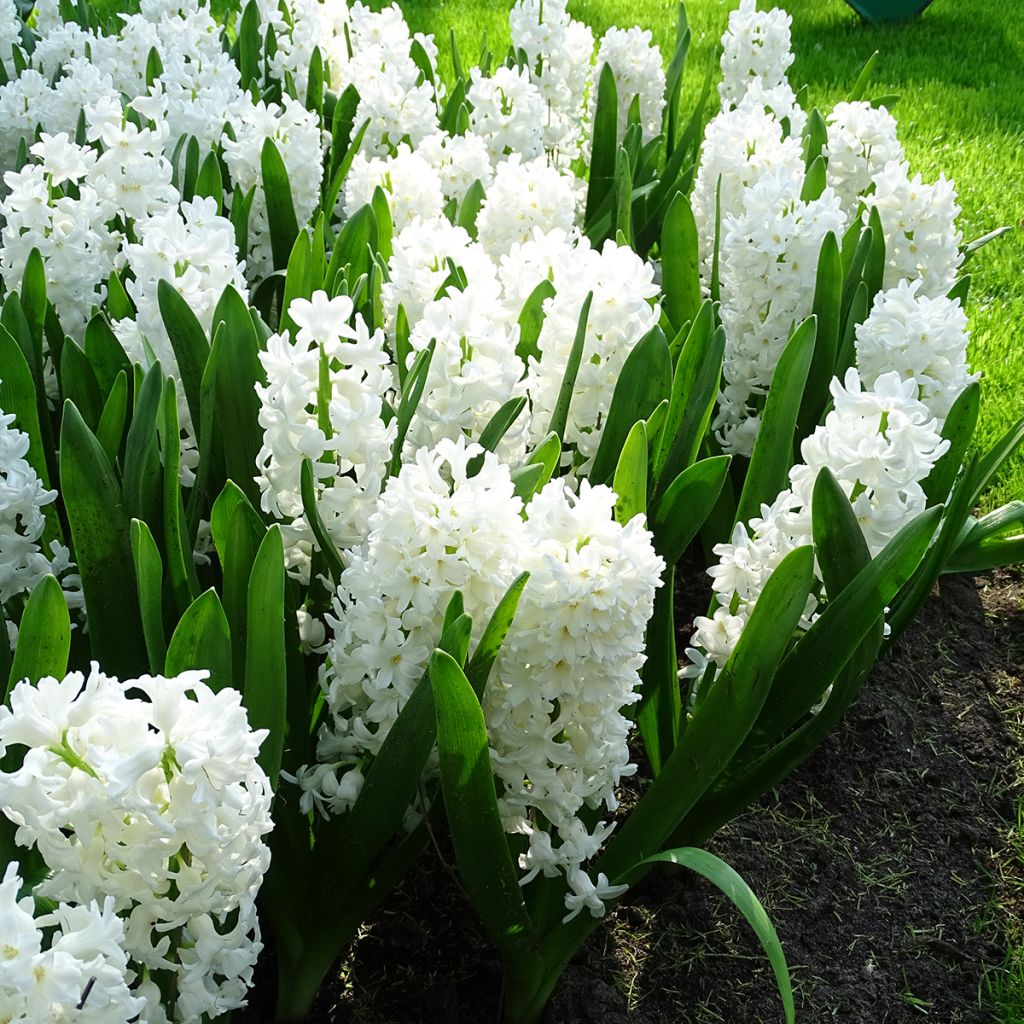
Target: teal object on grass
888	10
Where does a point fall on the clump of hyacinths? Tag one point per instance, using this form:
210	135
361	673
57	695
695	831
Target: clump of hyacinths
358	421
143	798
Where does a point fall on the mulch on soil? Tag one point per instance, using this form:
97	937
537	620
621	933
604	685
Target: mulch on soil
877	861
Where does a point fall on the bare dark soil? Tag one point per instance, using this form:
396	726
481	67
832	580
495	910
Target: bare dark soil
882	863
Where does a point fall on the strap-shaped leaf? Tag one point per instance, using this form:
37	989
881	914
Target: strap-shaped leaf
680	512
531	320
497	427
630	482
44	637
489	646
815	137
723	719
680	263
298	277
18	398
732	885
992	541
560	415
99	532
284	227
265	690
110	430
189	341
645	381
827	309
711	738
412	392
768	472
104	351
958	429
694	387
674	78
660	709
78	382
605	142
181	566
323	539
836	634
149	579
233	371
202	640
481	850
143	472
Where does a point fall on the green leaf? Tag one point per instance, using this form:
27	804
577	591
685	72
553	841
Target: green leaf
815	137
605	143
679	513
820	654
497	427
149	579
560	415
768	472
143	473
874	265
234	370
202	640
33	299
531	321
860	87
249	45
722	720
470	208
644	382
210	183
814	181
265	693
298	278
827	309
742	897
99	532
958	428
181	569
104	352
482	853
284	227
680	262
385	224
660	709
630	483
694	388
188	339
321	536
44	637
489	646
112	420
674	79
412	392
990	542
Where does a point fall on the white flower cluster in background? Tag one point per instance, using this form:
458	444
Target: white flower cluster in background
636	63
23	523
748	196
569	668
145	797
756	55
68	964
880	443
923	339
769	257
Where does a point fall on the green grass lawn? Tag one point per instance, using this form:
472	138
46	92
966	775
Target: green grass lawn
959	72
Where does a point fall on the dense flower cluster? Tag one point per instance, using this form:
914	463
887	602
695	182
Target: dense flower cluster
23	497
67	965
145	796
555	707
880	443
323	401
